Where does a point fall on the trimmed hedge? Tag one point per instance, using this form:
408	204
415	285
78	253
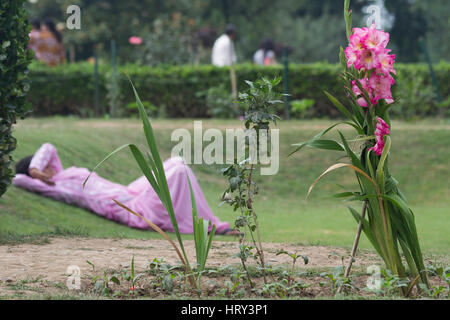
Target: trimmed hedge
69	89
64	90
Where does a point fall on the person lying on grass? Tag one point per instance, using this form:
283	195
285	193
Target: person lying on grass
43	173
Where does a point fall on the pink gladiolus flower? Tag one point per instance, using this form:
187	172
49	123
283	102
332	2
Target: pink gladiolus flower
351	55
359	95
375	38
368	59
381	86
382	129
387	62
378	148
358	37
135	40
367	52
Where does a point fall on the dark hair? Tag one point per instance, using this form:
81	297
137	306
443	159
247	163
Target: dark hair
281	47
206	37
36	23
52	27
23	165
267	45
230	29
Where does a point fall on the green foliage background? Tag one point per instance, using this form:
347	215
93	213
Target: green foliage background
313	29
14	60
177	90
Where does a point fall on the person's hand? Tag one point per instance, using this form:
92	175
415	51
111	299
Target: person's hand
46	178
49	171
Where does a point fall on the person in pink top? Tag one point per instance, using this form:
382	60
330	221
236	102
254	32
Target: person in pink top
43	173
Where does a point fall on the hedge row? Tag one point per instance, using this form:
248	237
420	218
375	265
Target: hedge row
69	89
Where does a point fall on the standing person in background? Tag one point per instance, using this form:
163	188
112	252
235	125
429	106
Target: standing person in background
223	53
49	46
265	55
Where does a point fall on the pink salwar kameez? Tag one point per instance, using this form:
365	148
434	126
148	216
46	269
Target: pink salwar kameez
98	193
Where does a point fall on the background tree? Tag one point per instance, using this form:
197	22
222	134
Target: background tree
409	26
438	25
311	28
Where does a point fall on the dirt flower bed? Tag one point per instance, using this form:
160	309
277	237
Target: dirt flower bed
105	266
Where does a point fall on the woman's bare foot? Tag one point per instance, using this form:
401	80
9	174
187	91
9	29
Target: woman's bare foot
232	232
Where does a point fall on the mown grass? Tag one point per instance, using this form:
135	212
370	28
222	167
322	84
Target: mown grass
419	161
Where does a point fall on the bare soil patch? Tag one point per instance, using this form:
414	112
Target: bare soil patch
40	270
50	261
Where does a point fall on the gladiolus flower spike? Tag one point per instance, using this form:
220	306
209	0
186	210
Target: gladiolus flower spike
389	223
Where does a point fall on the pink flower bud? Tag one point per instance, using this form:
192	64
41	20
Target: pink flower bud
382	129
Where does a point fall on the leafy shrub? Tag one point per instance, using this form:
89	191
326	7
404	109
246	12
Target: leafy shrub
260	101
67	89
14	60
416	93
132	109
220	102
302	108
168	42
445	106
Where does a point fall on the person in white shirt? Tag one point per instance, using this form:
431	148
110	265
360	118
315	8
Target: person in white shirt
223	53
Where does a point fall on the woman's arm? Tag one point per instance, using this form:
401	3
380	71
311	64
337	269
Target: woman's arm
46	156
45	163
36	174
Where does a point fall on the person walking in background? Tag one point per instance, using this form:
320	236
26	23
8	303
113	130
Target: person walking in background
223	53
48	46
265	55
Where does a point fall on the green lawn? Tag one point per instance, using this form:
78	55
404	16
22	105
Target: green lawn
419	161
